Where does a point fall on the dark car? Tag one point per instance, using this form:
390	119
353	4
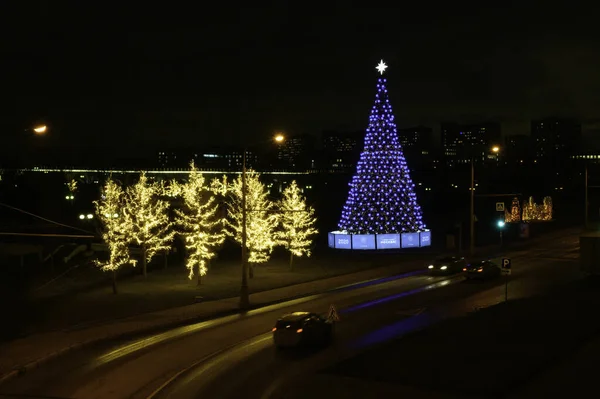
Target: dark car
447	265
482	270
302	328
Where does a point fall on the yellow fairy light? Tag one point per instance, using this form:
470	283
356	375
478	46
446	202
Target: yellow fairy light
114	233
261	219
533	212
200	224
514	215
297	223
146	219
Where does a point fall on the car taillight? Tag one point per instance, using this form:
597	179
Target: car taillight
299	330
274	328
464	269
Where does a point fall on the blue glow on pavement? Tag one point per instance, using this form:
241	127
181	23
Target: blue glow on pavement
403	294
376	281
395	330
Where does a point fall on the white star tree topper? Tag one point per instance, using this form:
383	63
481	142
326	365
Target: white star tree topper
381	67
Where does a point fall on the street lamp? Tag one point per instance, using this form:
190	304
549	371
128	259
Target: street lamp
495	149
41	129
500	225
244	291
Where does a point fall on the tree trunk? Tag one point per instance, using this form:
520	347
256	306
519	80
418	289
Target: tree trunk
291	261
144	263
166	260
114	282
250	270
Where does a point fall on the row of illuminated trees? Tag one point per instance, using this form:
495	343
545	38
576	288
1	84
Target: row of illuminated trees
140	215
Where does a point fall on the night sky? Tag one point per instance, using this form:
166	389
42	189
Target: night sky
197	73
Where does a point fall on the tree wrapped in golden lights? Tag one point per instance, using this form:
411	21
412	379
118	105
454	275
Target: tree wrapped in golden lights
114	231
261	219
533	212
146	218
201	226
297	223
514	215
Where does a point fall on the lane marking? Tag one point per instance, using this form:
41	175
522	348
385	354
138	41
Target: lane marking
211	360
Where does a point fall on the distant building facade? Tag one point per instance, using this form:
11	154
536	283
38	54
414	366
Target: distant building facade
298	152
417	144
341	150
555	139
460	142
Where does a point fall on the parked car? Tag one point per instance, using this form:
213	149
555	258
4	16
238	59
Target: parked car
302	328
447	265
482	270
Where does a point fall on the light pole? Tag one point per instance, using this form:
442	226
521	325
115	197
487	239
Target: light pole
586	197
244	291
495	150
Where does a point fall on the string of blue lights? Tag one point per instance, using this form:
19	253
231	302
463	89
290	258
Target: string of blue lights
382	195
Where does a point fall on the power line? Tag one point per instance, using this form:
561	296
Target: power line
44	219
45	235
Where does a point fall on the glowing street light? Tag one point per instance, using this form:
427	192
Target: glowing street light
40	129
495	149
279	138
501	224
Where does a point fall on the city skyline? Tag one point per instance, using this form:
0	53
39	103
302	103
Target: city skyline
219	81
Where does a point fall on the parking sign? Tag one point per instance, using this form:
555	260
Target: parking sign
506	266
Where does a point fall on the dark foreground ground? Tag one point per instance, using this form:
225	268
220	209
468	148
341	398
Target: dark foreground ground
514	349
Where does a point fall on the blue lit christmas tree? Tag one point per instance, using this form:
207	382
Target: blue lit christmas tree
382	195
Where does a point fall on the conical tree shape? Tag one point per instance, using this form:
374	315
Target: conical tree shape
382	195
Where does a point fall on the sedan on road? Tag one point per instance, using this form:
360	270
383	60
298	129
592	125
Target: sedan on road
482	270
302	328
447	265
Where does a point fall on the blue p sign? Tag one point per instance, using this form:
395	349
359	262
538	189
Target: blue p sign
506	263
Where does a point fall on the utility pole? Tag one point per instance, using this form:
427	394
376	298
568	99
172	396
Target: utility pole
472	213
244	293
586	196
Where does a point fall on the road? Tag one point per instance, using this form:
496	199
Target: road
226	356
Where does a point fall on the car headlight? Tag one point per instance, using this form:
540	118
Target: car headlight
444	267
430	266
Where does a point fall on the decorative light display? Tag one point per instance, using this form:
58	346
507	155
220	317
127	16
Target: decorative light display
72	186
297	223
115	232
382	195
533	212
514	216
146	219
261	219
200	224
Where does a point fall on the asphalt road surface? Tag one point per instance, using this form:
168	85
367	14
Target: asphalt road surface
234	356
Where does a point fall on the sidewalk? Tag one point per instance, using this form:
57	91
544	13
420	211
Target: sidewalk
24	354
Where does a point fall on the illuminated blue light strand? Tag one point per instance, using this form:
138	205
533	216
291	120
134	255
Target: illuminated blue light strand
382	195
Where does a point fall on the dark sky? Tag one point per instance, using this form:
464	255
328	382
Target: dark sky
200	73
